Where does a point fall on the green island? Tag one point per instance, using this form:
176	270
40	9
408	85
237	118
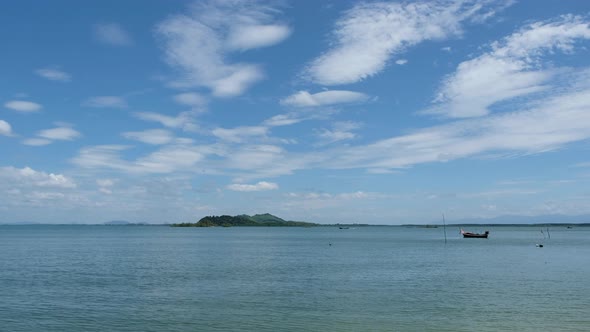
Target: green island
265	219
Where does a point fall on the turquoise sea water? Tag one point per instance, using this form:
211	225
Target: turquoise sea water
157	278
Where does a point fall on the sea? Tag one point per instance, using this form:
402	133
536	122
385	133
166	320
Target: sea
372	278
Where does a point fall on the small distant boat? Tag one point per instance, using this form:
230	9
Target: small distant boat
343	227
474	235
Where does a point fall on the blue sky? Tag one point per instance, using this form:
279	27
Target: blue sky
326	111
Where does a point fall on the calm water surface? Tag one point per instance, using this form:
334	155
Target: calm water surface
157	278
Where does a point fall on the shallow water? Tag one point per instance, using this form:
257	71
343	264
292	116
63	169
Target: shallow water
158	278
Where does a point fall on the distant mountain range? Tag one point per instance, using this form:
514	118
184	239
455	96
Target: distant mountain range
117	222
515	219
123	223
265	219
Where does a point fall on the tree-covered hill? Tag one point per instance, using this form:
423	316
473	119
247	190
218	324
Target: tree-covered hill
265	219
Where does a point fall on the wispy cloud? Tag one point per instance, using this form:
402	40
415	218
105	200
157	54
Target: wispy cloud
63	132
102	156
105	102
190	99
59	133
167	159
240	134
152	136
5	128
105	182
371	33
543	125
313	201
53	74
325	98
260	186
112	34
23	106
340	131
283	120
170	159
184	120
198	44
512	68
255	161
105	185
37	141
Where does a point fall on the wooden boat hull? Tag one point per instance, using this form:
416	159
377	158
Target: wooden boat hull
475	235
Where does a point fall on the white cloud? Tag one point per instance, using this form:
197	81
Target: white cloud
44	137
112	34
105	190
190	99
260	186
512	68
354	195
340	131
102	156
239	134
369	34
59	133
263	160
198	44
105	182
152	136
283	120
23	106
5	128
184	120
168	159
401	62
37	141
105	102
309	201
543	125
325	98
28	176
105	185
329	136
37	195
244	37
53	74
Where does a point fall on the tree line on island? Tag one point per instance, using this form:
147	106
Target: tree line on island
265	219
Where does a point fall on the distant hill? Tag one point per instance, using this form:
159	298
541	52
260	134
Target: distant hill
124	223
117	222
243	220
14	223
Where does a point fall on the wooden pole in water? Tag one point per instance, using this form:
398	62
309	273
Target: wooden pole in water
445	227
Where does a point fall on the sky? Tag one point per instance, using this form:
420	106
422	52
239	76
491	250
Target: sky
380	112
